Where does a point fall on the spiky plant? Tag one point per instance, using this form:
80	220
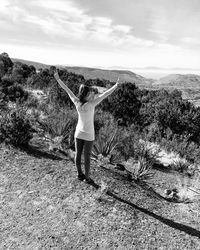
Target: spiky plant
58	129
104	148
141	170
180	166
145	150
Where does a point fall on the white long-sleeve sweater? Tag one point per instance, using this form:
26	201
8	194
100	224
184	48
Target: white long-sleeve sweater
85	125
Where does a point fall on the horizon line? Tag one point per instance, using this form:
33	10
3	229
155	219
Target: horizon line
147	68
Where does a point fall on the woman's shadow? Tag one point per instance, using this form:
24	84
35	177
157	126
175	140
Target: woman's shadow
38	152
181	227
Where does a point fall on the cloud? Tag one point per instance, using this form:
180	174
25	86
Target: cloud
160	21
67	23
141	29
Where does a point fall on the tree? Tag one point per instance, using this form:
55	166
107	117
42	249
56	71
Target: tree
12	91
97	82
21	71
5	64
123	104
41	80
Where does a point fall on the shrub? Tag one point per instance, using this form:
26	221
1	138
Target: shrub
129	138
102	119
32	102
15	128
180	144
13	91
3	103
6	64
153	132
124	104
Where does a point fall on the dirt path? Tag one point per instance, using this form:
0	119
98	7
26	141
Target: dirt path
44	206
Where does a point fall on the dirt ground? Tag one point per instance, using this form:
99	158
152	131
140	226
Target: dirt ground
44	206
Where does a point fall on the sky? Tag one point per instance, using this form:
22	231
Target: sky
129	34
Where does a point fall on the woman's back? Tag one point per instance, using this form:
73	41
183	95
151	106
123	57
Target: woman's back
85	125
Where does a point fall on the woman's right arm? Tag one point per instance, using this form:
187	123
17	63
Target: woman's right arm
105	94
69	92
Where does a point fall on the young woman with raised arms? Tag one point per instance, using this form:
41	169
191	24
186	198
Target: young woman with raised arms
88	98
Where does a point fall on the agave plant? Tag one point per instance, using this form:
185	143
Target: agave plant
180	165
104	149
146	151
57	130
141	170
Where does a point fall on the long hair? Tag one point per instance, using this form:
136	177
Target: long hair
84	91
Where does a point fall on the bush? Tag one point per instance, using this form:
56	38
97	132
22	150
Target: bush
32	102
180	144
153	132
15	128
12	91
3	103
123	105
101	120
128	142
5	64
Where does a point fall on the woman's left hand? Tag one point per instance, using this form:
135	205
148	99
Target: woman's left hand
117	82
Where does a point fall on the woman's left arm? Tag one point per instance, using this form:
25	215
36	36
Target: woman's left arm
105	94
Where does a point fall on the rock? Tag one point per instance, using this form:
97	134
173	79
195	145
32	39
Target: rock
168	191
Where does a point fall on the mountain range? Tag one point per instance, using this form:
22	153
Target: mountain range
189	84
92	73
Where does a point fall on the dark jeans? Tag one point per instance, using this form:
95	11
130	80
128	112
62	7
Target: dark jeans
86	146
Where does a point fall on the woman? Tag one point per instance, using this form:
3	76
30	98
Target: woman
85	105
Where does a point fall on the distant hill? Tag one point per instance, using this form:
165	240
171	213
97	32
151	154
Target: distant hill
93	73
179	81
188	84
112	75
37	65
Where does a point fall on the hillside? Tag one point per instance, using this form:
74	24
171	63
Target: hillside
188	84
93	73
37	65
112	75
179	81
